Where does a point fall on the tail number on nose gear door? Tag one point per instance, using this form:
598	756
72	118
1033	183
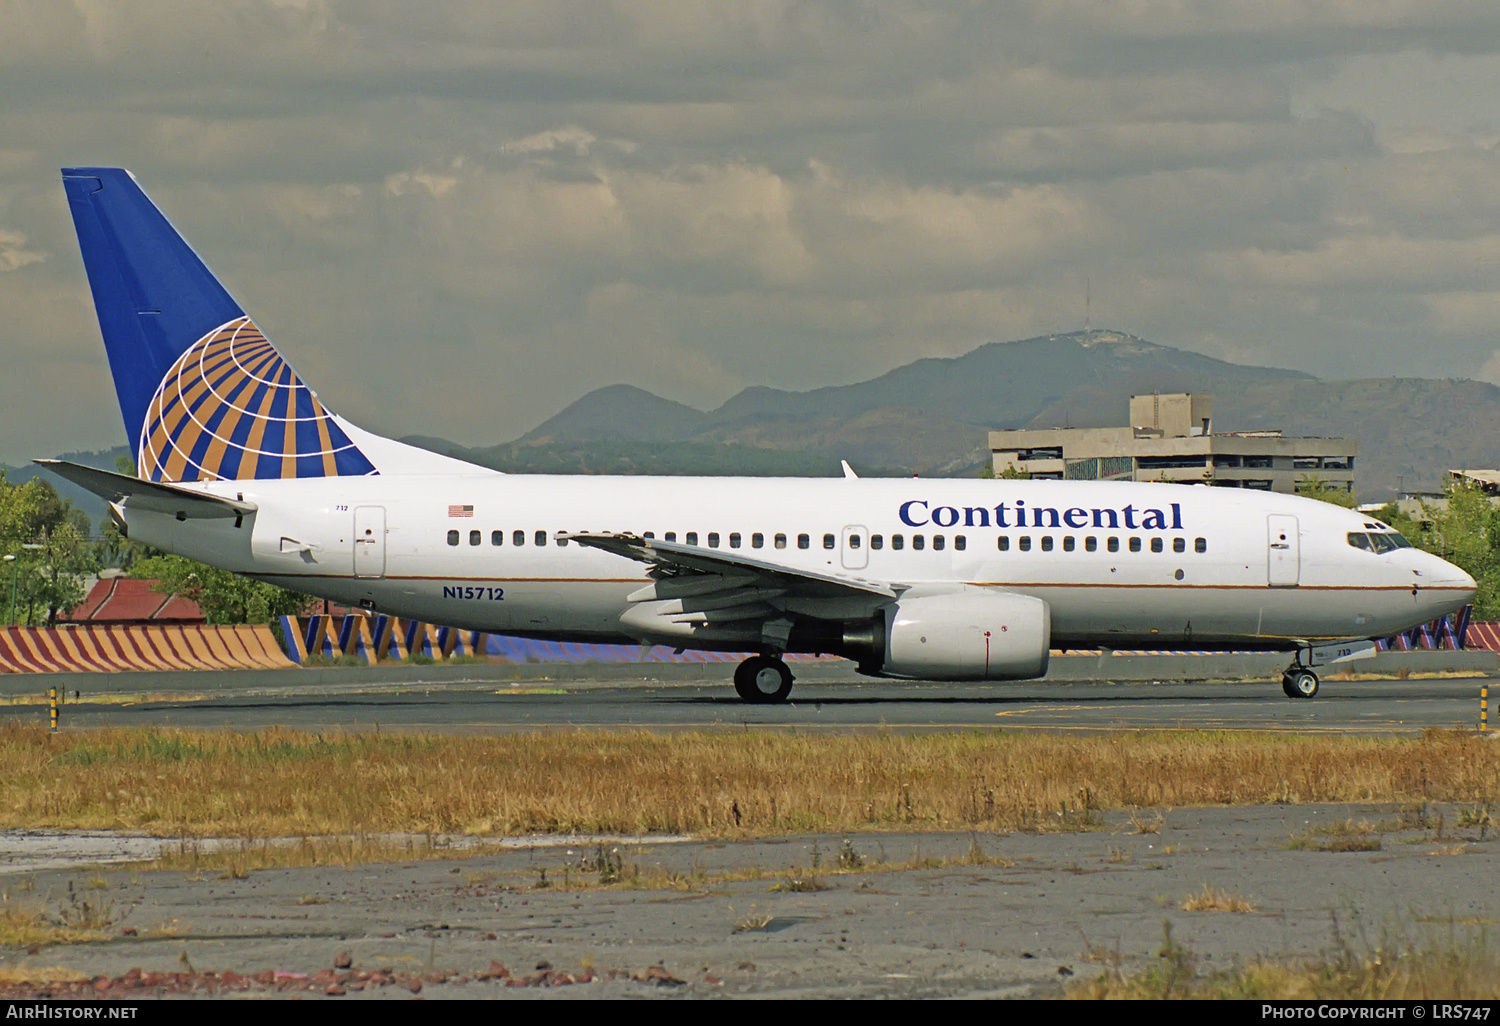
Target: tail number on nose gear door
479	593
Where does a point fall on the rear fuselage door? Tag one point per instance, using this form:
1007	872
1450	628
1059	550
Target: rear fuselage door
1283	553
856	548
369	541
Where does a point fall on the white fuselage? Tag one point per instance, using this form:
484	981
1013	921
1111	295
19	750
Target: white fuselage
1120	564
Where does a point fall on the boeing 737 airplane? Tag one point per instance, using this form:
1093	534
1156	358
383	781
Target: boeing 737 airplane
241	466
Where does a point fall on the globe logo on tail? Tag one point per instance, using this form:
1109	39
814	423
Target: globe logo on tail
232	409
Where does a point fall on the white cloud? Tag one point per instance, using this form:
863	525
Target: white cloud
457	218
13	254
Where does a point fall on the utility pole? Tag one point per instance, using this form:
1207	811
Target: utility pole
12	561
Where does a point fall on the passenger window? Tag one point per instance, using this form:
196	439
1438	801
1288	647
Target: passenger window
1024	543
475	537
854	541
691	538
780	541
1113	544
1179	544
1135	545
1046	543
1003	543
713	539
516	538
562	543
897	541
670	536
1200	544
452	537
540	538
1090	544
877	541
1068	543
734	539
497	537
757	541
804	541
1155	544
829	541
937	542
960	542
918	541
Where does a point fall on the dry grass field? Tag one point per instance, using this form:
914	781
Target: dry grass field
282	783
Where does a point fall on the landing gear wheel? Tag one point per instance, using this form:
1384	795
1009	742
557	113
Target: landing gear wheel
1299	683
763	679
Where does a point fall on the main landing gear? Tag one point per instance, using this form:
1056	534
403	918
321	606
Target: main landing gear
763	679
1299	682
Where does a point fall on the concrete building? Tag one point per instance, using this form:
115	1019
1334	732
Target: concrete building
1171	438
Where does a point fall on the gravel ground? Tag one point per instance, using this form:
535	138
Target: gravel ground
1033	912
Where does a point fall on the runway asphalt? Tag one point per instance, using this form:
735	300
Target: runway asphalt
827	697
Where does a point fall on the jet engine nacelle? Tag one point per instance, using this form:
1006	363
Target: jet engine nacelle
964	634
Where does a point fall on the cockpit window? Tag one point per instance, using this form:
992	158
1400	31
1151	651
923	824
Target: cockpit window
1382	543
1359	541
1399	540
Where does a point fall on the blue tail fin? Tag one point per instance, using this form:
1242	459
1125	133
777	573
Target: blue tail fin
205	397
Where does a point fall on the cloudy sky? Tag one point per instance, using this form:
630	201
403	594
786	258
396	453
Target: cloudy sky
455	218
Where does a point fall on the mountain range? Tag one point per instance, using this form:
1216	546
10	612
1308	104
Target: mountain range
932	417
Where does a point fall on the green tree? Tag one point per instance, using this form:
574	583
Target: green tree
224	597
1314	488
48	540
1465	530
1011	473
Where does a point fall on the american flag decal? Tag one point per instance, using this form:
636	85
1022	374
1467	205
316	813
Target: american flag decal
460	511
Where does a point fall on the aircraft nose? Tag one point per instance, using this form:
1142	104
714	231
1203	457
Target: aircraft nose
1452	579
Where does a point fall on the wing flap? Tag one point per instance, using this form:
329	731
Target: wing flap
670	559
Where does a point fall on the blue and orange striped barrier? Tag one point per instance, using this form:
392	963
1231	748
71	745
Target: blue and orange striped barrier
377	638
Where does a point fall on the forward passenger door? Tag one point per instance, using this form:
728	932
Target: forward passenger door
1283	551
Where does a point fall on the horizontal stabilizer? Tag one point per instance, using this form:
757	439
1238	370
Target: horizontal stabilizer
153	496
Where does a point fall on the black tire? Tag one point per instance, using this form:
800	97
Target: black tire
763	680
1300	684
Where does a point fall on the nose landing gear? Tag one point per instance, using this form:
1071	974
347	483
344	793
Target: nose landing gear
763	680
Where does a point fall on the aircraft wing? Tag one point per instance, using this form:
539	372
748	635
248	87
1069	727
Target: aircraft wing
670	559
155	496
